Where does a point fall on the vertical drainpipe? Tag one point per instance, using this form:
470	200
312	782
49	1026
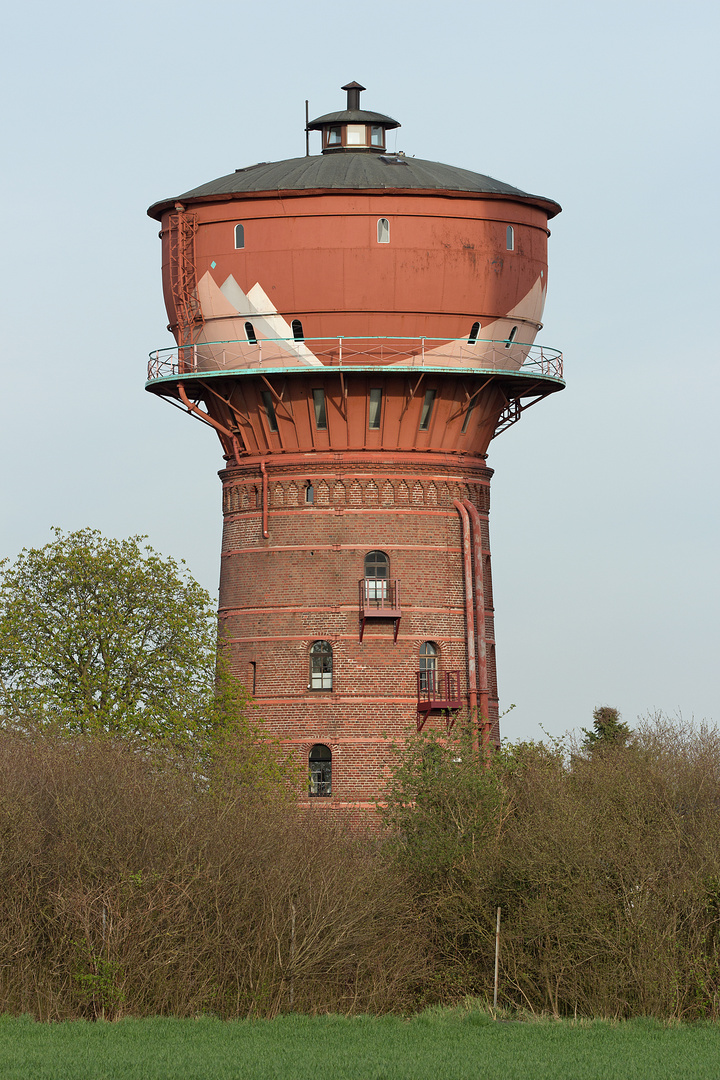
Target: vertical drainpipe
483	690
469	616
264	500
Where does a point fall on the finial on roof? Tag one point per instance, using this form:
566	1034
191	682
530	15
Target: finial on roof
353	94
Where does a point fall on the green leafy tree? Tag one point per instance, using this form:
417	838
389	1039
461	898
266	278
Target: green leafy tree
608	730
100	635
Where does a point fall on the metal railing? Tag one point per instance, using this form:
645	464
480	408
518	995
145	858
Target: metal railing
435	691
418	352
379	597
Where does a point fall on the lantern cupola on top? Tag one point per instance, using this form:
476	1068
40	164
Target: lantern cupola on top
353	129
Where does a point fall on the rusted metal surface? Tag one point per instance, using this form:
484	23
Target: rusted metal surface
263	472
482	668
469	612
182	226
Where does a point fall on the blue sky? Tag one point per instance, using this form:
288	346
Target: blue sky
605	500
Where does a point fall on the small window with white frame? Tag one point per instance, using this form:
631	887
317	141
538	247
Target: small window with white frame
383	231
239	237
356	135
321	666
510	238
377	135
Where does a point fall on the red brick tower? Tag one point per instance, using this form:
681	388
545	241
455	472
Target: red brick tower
356	326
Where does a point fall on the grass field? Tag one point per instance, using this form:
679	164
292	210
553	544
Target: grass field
460	1044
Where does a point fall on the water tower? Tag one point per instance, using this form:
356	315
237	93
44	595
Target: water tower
356	326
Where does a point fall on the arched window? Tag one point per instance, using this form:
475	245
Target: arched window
511	337
510	238
428	665
297	330
377	572
239	236
250	333
474	331
320	762
309	493
321	665
383	230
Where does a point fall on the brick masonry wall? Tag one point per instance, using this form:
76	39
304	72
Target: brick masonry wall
300	584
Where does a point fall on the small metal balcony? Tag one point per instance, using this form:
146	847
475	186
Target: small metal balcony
437	692
379	599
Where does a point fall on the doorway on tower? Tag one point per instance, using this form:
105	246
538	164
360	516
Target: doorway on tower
436	691
379	593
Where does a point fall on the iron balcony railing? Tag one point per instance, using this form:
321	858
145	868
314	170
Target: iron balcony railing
436	691
379	599
420	352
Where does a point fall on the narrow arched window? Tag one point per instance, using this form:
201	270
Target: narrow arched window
377	572
428	666
511	337
510	238
309	493
297	330
321	666
474	331
239	236
320	763
383	230
250	333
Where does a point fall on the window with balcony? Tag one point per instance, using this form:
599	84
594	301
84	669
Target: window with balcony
377	572
239	236
320	762
379	594
321	666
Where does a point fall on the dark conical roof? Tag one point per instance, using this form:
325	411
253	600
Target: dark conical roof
353	172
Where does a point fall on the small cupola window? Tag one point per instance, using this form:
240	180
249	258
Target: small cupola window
354	128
